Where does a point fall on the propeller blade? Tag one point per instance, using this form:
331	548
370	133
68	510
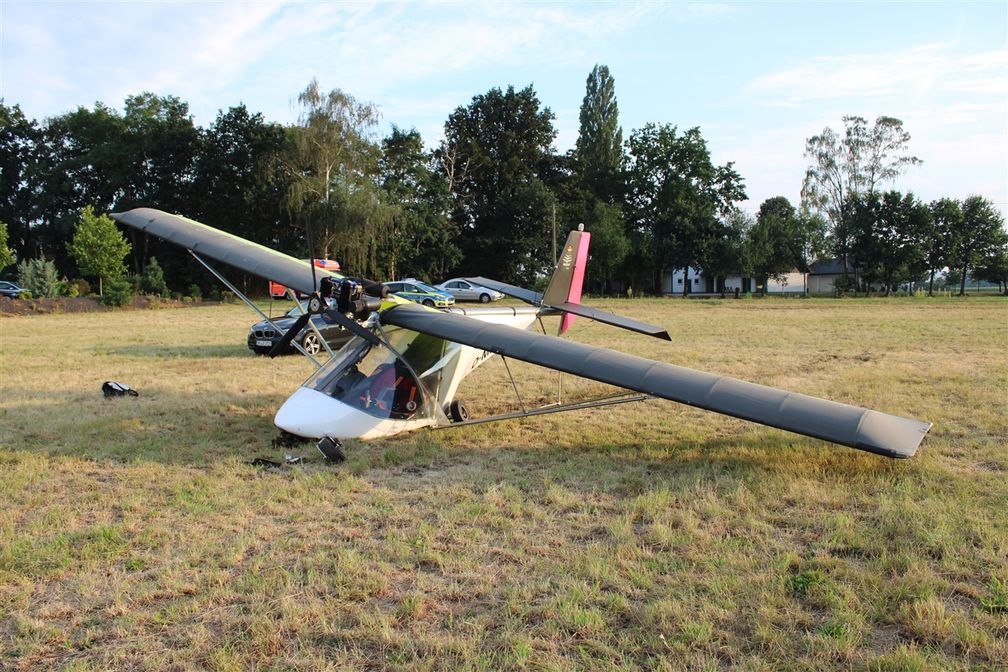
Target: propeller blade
311	254
289	335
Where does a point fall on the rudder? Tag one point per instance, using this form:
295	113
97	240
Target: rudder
567	280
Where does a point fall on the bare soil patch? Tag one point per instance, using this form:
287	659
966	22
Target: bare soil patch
83	304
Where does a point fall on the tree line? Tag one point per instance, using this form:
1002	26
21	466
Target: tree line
485	201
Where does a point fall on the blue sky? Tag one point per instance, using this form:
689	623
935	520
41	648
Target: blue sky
757	78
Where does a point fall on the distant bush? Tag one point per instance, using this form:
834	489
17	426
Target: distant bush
153	280
195	292
83	286
118	292
25	295
39	277
844	284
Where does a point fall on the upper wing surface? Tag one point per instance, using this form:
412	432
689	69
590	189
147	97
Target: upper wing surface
860	428
225	247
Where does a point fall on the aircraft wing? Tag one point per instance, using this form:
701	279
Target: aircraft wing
221	246
864	429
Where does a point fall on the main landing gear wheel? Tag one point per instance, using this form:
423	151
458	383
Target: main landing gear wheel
311	343
484	298
458	412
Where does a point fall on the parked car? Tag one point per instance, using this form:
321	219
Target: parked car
262	335
463	290
414	290
10	290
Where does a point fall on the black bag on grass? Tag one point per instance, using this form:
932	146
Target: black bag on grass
110	388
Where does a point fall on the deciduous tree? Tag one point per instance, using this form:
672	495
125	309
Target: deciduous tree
677	197
945	225
421	238
334	177
981	232
6	254
993	267
501	153
771	245
888	240
19	195
98	247
844	167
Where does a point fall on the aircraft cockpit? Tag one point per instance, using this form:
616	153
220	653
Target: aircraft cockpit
398	383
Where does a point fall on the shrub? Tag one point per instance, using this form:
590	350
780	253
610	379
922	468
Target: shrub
118	292
39	277
845	283
83	287
153	280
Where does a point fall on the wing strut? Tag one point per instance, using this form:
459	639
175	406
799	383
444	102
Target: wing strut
254	307
610	400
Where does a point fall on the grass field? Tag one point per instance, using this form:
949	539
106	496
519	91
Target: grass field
135	535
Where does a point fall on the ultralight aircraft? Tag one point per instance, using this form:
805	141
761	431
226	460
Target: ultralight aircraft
402	368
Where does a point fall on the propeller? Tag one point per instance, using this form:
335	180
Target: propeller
315	302
353	299
294	329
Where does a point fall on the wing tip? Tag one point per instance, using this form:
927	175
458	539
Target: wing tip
902	446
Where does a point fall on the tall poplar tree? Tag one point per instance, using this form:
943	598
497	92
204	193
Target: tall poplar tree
599	147
599	191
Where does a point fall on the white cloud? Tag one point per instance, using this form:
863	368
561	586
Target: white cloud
920	71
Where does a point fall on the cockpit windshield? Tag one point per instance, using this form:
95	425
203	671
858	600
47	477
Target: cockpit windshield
373	379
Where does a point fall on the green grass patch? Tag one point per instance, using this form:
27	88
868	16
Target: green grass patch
134	535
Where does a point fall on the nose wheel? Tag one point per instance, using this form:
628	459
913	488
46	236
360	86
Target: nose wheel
331	449
458	412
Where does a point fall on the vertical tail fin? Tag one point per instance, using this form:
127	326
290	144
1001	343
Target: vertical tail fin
568	279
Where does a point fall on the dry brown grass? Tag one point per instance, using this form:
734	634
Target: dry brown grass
133	535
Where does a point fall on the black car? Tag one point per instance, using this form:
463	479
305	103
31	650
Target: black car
262	335
10	290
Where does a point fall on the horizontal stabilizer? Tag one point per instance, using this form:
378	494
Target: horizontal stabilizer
221	246
859	428
526	295
613	319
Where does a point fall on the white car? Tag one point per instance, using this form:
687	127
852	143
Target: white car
463	290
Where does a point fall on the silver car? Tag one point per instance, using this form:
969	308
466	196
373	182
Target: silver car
463	290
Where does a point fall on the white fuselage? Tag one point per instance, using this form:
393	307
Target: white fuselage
313	411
